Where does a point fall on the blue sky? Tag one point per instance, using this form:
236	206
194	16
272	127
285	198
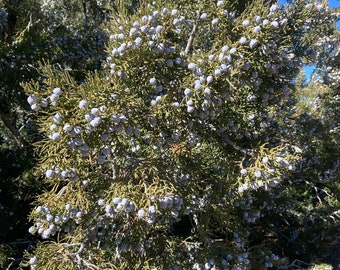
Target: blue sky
334	4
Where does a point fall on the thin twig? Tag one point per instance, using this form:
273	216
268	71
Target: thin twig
193	33
81	247
12	130
76	254
14	262
245	151
296	263
226	139
28	27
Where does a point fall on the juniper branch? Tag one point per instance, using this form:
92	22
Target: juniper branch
192	34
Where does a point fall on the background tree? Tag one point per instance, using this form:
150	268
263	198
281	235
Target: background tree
316	127
32	31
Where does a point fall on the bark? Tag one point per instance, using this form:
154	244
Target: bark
12	130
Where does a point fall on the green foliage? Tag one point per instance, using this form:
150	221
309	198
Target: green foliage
167	157
169	134
4	252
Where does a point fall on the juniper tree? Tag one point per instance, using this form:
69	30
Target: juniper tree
171	155
314	123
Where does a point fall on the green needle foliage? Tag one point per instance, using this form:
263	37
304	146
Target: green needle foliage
179	146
